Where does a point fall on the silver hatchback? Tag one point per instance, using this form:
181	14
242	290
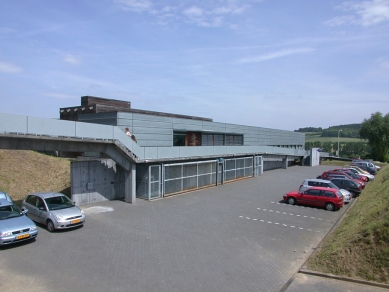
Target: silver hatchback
54	210
14	225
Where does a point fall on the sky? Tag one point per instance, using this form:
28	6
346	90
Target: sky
277	64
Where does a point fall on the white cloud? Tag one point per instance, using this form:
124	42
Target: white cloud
9	68
365	13
134	5
275	55
373	12
204	14
71	59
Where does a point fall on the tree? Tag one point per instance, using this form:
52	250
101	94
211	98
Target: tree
376	130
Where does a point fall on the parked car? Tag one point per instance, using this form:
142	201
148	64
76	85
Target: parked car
359	171
352	174
369	163
5	196
15	226
337	174
54	210
347	184
314	182
368	166
330	199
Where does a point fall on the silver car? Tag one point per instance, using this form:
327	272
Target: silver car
4	195
15	226
54	210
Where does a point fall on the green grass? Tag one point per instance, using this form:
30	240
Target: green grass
315	138
359	246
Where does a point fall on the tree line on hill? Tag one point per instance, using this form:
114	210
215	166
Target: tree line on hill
375	130
348	131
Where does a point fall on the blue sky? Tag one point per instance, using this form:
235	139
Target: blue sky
272	63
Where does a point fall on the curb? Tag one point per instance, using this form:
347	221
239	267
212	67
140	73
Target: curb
352	280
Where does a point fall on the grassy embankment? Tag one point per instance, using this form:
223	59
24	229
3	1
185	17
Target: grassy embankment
359	246
24	172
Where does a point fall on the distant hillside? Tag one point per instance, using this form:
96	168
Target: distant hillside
347	131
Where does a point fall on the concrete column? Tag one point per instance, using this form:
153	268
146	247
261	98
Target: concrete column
285	162
130	185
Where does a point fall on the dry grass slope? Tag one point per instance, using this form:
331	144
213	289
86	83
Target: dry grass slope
24	172
359	247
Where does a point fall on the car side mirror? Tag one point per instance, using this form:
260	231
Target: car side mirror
24	210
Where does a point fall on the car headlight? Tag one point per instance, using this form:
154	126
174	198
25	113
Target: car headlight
32	228
5	234
58	217
82	212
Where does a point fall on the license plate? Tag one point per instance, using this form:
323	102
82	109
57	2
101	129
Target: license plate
75	221
22	236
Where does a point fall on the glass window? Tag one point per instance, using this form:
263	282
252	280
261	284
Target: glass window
313	192
329	194
179	139
31	200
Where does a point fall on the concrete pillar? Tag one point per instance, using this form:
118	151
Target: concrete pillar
130	185
285	162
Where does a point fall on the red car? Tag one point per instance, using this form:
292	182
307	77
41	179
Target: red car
336	174
330	199
352	174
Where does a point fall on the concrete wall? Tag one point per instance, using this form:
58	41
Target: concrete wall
315	157
95	181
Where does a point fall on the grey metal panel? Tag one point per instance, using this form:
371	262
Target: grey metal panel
205	150
154	143
145	130
187	124
151	124
214	127
188	151
87	130
124	116
168	152
141	117
154	136
151	152
42	126
13	123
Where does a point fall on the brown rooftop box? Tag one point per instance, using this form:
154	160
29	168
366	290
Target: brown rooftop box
91	100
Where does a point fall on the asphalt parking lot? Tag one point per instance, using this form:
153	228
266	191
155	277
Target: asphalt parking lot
235	237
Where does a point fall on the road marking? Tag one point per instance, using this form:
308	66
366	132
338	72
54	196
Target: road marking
97	210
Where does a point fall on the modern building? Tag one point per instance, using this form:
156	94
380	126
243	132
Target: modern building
173	153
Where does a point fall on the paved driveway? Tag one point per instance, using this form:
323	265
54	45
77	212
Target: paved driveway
235	237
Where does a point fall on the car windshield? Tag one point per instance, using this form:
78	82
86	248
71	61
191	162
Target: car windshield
11	211
59	202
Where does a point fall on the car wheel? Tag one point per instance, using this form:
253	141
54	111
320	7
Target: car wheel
292	201
330	207
50	226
